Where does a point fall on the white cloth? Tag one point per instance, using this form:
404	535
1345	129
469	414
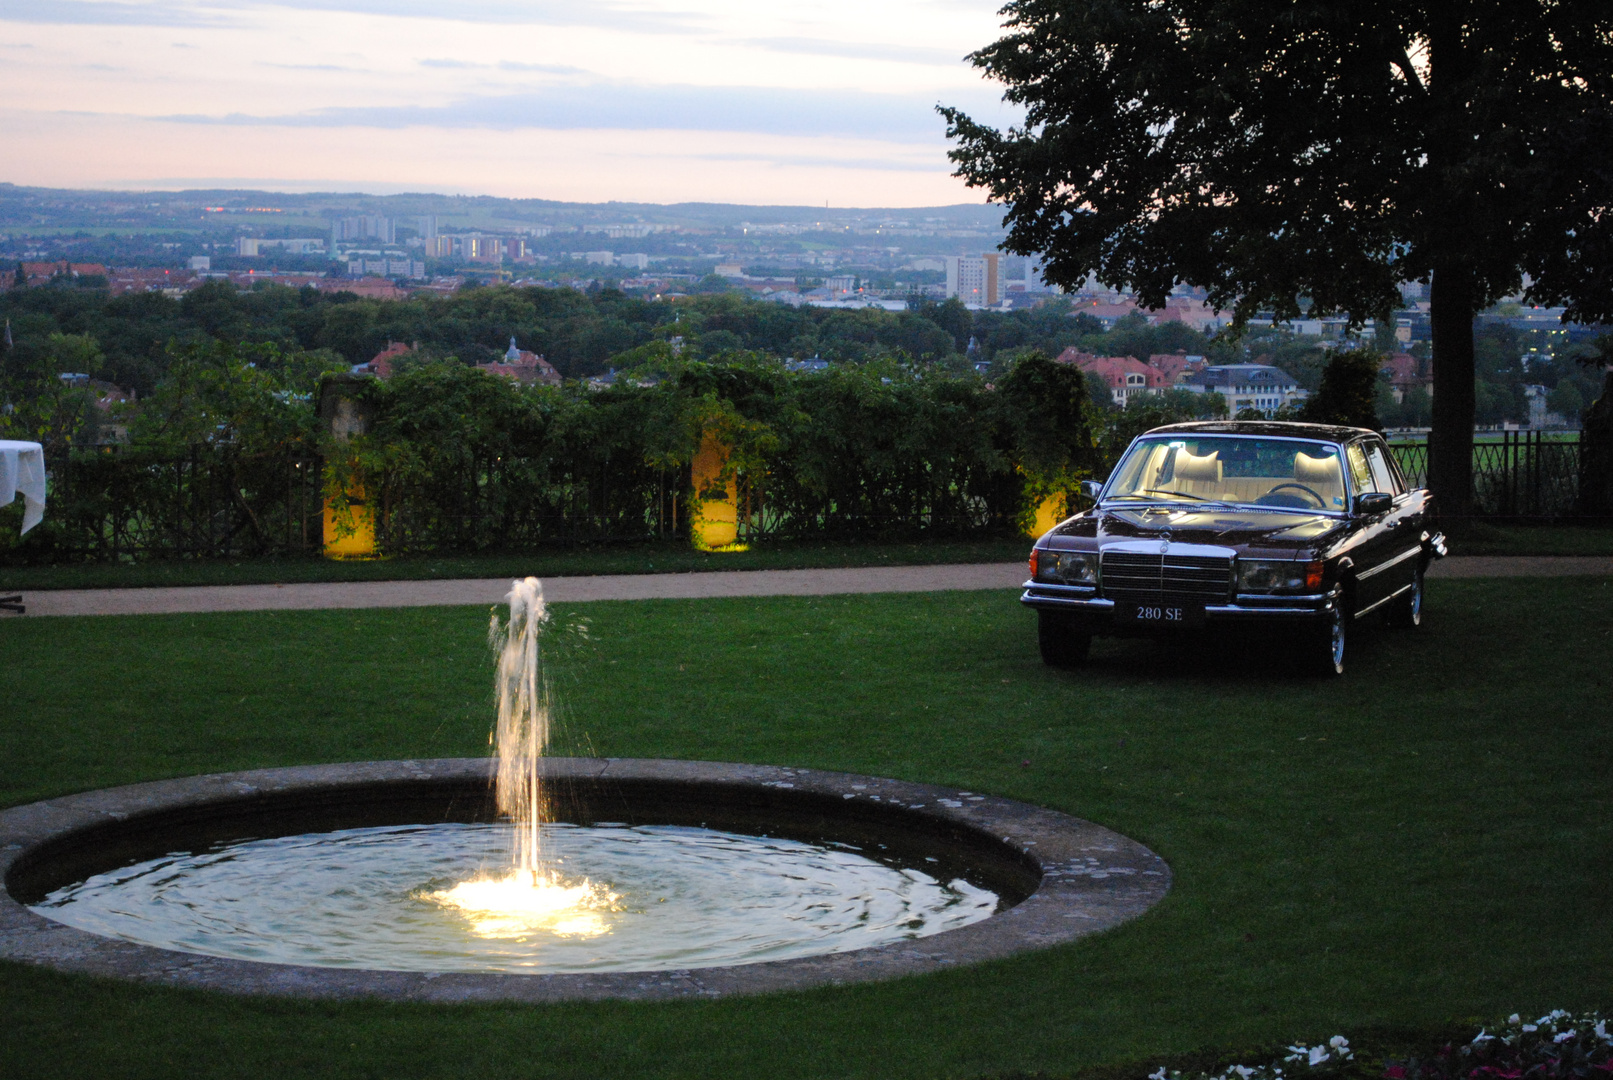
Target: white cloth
22	469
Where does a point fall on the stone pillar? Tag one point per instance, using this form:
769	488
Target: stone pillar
1596	455
349	519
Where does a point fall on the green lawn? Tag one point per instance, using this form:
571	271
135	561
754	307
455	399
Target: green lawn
670	557
1490	538
1429	838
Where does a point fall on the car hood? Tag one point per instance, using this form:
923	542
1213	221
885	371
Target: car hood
1220	526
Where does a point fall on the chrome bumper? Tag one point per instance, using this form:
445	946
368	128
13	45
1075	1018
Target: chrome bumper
1262	609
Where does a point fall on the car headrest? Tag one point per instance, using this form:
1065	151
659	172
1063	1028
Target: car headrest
1193	467
1315	470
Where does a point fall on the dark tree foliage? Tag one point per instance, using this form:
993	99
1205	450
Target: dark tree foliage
1044	409
1273	149
1349	390
1596	443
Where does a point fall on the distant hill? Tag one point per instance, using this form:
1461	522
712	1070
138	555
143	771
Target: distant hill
35	210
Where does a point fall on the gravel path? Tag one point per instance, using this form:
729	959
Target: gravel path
489	591
879	579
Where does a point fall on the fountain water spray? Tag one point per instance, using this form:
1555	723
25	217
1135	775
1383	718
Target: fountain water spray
529	897
522	731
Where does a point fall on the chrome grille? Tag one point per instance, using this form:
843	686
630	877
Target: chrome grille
1140	578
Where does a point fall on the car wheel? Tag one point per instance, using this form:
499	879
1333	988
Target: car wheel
1326	649
1061	643
1408	609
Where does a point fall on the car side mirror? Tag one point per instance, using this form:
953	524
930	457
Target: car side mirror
1091	488
1369	503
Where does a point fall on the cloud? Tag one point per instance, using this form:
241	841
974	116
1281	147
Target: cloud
614	16
305	67
769	110
907	54
505	65
547	69
98	13
825	161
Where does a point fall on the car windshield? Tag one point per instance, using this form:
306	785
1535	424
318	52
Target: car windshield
1230	468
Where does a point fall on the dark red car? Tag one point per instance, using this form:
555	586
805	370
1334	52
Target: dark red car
1303	528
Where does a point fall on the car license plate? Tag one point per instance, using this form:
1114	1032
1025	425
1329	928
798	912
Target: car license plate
1161	614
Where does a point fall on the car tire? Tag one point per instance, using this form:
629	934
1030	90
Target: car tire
1407	611
1325	651
1062	645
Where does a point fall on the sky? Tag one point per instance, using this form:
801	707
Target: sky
826	102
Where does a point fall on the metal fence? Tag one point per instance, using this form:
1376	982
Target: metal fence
122	505
210	503
1522	474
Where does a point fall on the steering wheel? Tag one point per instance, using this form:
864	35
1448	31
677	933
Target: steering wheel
1321	503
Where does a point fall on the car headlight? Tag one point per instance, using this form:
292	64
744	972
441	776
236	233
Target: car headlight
1067	567
1278	576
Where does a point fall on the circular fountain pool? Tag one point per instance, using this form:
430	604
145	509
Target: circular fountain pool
688	878
625	898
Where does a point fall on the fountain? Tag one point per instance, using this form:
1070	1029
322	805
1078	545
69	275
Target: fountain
529	896
537	878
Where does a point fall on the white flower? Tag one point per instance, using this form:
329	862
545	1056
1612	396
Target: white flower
1160	1075
1318	1055
1601	1030
1531	1027
1564	1036
1482	1037
1514	1018
1243	1071
1338	1041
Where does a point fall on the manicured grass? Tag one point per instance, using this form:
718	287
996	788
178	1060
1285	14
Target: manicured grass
671	557
1487	538
1429	838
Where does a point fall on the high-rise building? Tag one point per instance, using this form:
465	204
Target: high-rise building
975	279
426	226
364	227
477	248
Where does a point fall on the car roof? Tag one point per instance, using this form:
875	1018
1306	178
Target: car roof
1277	428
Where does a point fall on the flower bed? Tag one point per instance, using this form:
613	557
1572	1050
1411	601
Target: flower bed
1558	1046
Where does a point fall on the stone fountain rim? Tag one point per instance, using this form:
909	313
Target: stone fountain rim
1092	879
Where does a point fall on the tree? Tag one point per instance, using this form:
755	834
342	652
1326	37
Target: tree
1349	391
1273	149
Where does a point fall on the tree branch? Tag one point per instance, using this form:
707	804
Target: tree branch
1408	69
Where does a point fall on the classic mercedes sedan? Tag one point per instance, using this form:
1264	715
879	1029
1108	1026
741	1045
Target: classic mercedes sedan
1211	526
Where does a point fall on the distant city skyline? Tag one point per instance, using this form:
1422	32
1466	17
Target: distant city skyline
656	101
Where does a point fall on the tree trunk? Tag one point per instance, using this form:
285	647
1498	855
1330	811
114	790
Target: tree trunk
1450	449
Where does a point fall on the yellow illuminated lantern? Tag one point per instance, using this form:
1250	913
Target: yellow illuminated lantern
714	523
349	520
1050	511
